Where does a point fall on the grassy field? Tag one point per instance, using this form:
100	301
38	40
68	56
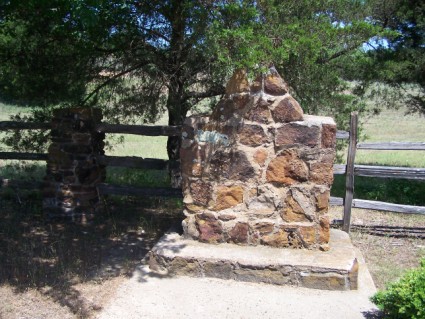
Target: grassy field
393	126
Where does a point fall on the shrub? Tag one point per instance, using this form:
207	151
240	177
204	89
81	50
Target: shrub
404	298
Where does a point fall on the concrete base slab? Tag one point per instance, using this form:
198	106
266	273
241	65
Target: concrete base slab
150	295
336	269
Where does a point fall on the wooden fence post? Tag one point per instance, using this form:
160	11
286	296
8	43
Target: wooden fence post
349	174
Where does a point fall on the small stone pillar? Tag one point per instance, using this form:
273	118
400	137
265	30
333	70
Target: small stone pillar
258	171
72	168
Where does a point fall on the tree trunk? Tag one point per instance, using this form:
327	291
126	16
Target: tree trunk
176	115
177	107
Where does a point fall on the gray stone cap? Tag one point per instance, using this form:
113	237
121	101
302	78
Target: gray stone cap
340	257
317	120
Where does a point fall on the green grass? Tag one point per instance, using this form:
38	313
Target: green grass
398	191
393	126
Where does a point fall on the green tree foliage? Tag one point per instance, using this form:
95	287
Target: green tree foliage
137	59
396	57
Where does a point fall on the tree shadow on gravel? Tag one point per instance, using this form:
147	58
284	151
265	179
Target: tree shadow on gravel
54	257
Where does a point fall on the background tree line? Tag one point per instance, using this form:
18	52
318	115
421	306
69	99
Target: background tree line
139	59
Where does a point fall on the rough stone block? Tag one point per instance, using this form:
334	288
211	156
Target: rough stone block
228	197
294	133
287	168
287	109
252	135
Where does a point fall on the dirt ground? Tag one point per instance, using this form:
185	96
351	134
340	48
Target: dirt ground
82	296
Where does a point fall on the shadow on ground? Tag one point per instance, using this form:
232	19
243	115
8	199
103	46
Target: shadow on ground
54	257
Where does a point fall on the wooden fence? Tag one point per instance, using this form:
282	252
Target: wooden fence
111	161
350	169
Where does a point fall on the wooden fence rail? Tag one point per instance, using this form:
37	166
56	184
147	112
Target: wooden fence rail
350	169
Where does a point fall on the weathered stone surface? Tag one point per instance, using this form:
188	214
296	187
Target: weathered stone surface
322	281
328	136
308	235
260	156
238	83
287	169
293	133
278	239
252	135
322	200
269	276
322	173
239	233
287	110
257	84
201	192
240	102
228	197
260	112
226	217
274	84
335	270
225	110
182	267
264	227
293	212
210	229
257	171
232	165
324	230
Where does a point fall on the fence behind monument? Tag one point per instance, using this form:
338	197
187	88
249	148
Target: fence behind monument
350	169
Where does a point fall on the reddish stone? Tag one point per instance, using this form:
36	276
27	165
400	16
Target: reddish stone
324	230
224	110
260	156
293	212
287	169
238	83
287	110
264	227
328	136
209	228
201	192
278	239
260	112
257	84
322	173
232	165
252	135
274	84
228	197
293	133
308	235
239	233
240	101
322	201
190	156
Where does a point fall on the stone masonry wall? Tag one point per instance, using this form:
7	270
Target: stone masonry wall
258	171
72	170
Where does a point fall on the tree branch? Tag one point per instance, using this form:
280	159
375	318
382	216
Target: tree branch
338	54
218	90
114	77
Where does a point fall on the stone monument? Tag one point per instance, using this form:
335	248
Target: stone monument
256	183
